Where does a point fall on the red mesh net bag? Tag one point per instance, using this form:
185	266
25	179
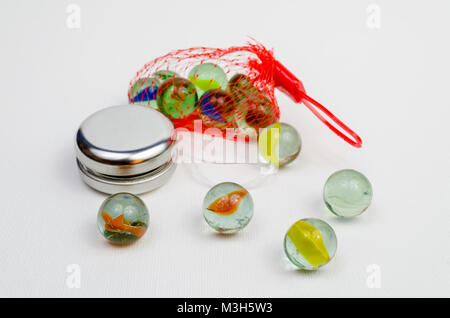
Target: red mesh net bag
231	88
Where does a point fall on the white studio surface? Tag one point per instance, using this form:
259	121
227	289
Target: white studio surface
388	82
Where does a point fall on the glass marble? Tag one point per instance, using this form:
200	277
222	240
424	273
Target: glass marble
253	106
144	91
310	244
241	87
218	106
123	218
163	75
208	76
260	112
347	193
177	97
228	207
280	144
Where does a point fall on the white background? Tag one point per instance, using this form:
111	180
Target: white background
391	85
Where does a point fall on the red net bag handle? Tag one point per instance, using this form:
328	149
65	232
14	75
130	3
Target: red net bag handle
286	82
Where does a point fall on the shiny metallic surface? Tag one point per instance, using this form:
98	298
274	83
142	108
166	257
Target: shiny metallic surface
137	185
125	140
125	148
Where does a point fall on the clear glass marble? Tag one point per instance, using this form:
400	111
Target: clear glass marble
217	108
208	76
253	107
228	207
241	88
310	244
177	97
123	218
347	193
280	144
144	91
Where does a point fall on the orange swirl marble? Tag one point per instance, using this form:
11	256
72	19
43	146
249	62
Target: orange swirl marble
119	224
229	203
